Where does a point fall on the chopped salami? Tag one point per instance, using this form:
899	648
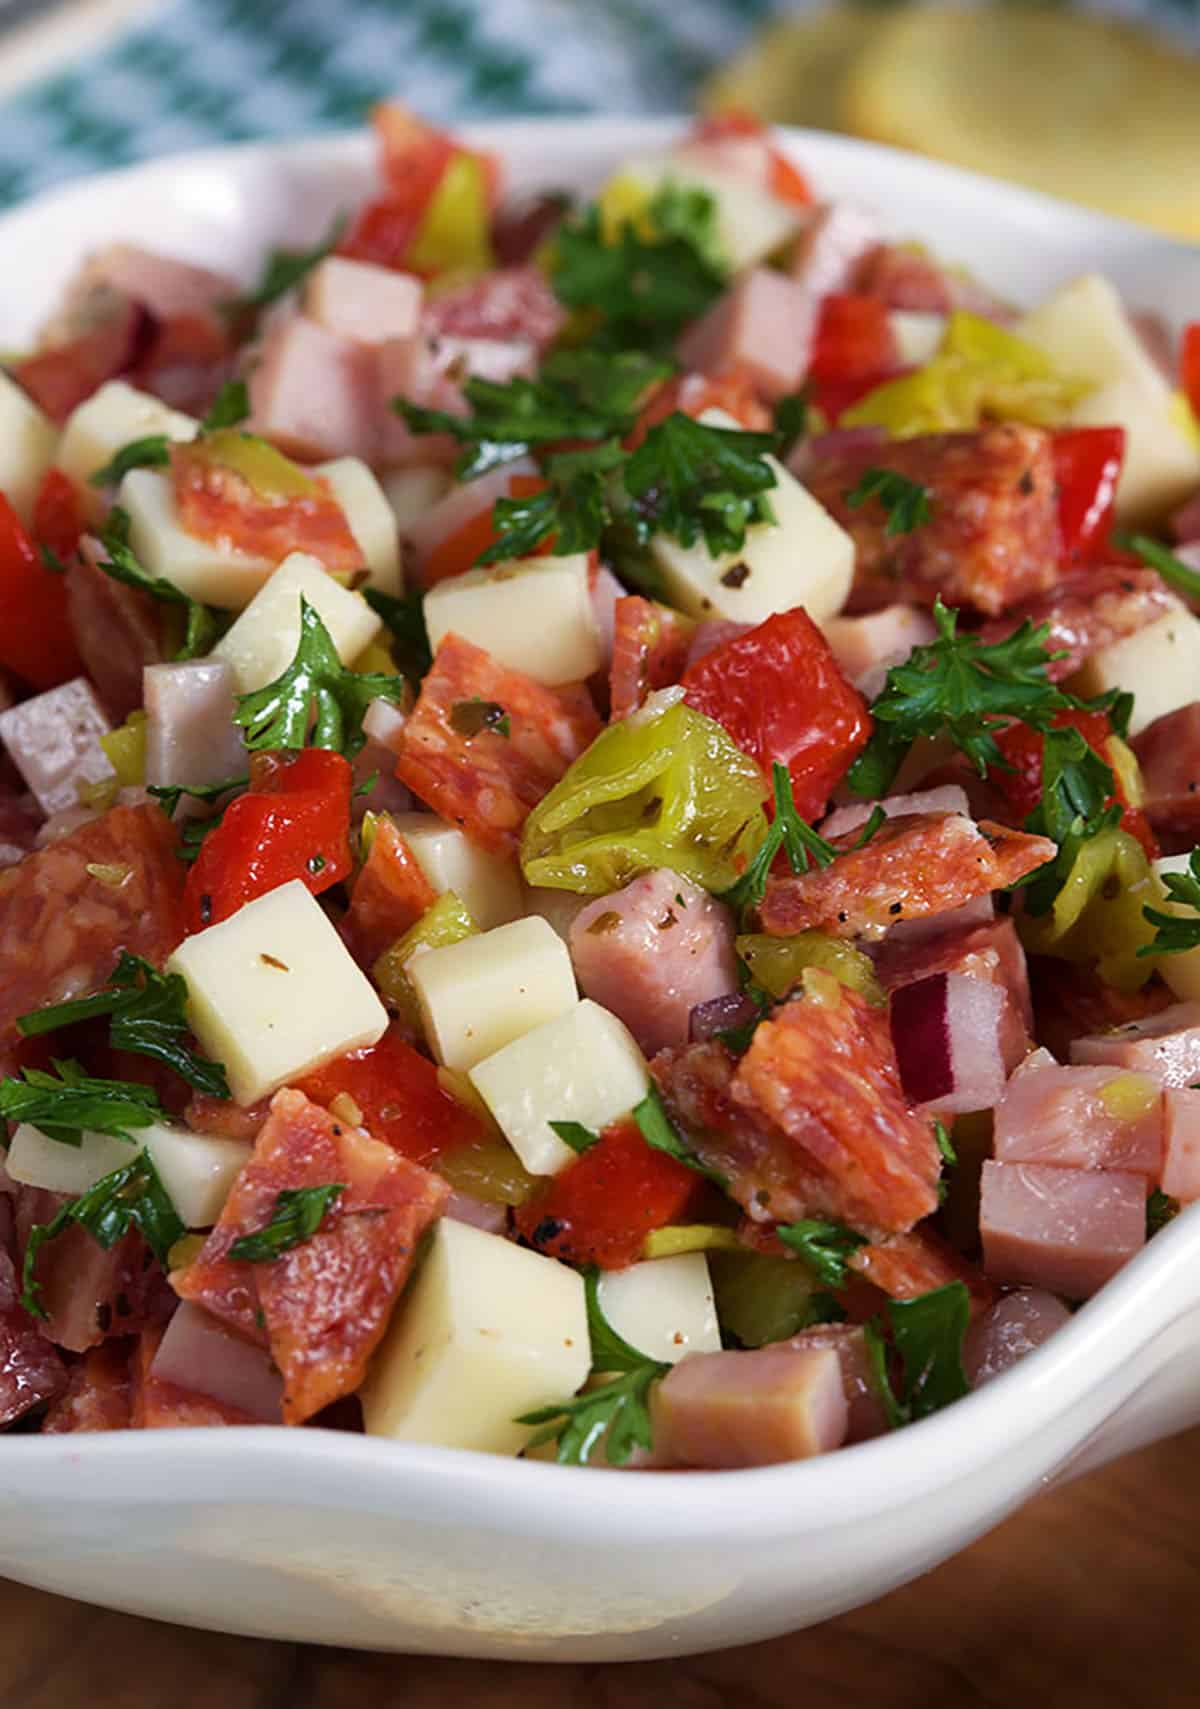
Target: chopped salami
87	1292
649	651
31	1372
1088	611
117	630
513	303
904	1266
904	276
390	895
1168	751
98	1395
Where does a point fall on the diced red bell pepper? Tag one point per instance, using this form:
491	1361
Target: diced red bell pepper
650	649
1087	465
783	179
57	520
1022	787
293	822
600	1209
853	350
462	550
1189	365
402	1100
36	641
779	692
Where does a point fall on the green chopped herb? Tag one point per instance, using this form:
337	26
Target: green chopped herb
405	620
694	481
229	408
1175	934
1160	1210
927	1333
906	503
1182	577
298	1214
574	1134
287	268
789	832
151	452
573	509
791	423
657	1131
130	1197
1076	805
203	625
68	1103
824	1247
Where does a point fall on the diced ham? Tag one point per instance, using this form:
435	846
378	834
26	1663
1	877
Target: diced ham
649	651
190	733
1069	1002
913	867
1088	611
324	1304
390	895
504	305
904	277
68	911
866	646
98	1395
832	242
865	1416
604	590
221	1116
1168	752
97	340
1015	1326
1081	1118
460	507
495	359
406	368
763	324
478	1213
992	538
946	798
117	630
653	951
1165	1046
947	1032
198	1352
312	392
53	740
31	1372
1185	523
752	1408
1066	1230
1181	1144
489	783
362	302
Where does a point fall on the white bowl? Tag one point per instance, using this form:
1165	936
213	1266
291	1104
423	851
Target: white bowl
340	1539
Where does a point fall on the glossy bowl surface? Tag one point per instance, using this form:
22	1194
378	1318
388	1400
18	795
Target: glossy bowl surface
338	1539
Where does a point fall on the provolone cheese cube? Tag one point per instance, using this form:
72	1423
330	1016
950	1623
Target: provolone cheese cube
262	642
1086	332
751	223
478	995
411	492
488	885
27	441
104	424
196	1170
664	1308
802	558
533	615
371	518
488	1331
581	1067
917	335
273	992
1181	972
213	573
1159	665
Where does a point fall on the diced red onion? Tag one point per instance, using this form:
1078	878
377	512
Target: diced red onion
719	1013
946	1031
946	798
384	723
198	1353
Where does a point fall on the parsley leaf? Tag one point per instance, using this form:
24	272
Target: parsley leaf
287	268
788	832
621	1407
1077	788
1182	577
824	1247
907	503
945	1144
573	508
927	1333
130	1197
169	795
658	1132
1177	933
405	620
298	1214
203	624
279	715
694	481
574	1134
791	423
1160	1210
151	452
68	1103
147	1011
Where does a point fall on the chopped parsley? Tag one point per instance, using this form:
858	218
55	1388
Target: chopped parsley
298	1214
169	795
694	481
203	625
573	509
789	832
287	268
824	1247
574	1134
229	408
147	1012
906	503
927	1334
1182	577
151	452
791	423
130	1197
405	621
68	1103
658	1132
1160	1210
1076	805
1175	934
281	715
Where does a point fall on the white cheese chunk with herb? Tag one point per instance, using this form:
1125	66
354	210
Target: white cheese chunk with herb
1181	972
104	424
663	1307
371	519
273	992
27	441
486	1332
196	1169
262	642
207	570
532	614
478	995
751	223
1159	665
487	884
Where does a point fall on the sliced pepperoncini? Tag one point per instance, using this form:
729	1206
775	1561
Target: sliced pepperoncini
1097	915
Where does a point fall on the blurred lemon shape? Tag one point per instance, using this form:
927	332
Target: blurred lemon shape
1085	107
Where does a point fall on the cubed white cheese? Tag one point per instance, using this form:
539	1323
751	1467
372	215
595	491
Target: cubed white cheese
488	885
751	223
1159	665
802	558
1086	331
103	424
262	642
358	300
532	614
486	1332
273	992
478	995
371	518
196	1170
581	1067
664	1308
213	573
1181	972
917	335
27	441
411	492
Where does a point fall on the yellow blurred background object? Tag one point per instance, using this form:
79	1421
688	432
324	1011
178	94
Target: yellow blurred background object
1085	107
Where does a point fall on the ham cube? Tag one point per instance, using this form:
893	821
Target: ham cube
864	647
199	1353
1168	751
756	1408
652	952
54	742
865	1416
1013	1327
1165	1045
1066	1230
406	368
312	392
362	302
1081	1118
762	325
1181	1144
190	733
835	238
946	798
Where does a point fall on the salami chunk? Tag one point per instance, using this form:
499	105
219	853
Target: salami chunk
31	1372
904	1266
322	1305
68	911
98	1395
117	633
512	303
88	1292
1087	611
489	781
1168	751
650	649
992	536
390	895
904	277
915	866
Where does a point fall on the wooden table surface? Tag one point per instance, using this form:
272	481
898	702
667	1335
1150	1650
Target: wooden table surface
1088	1599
